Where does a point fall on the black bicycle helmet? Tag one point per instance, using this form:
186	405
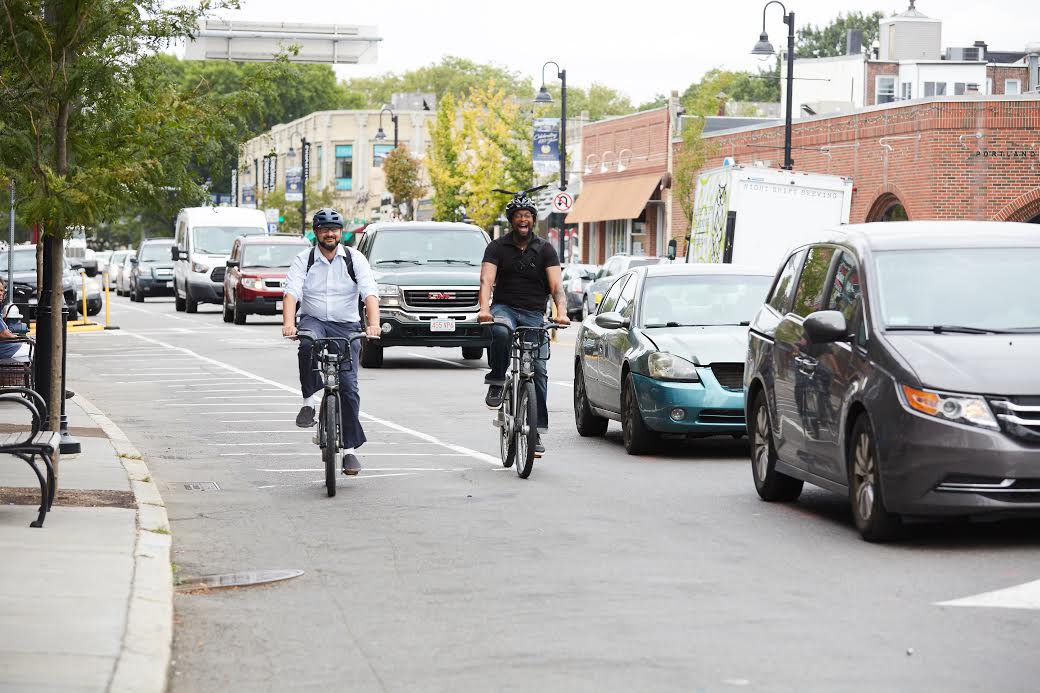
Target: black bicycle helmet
326	217
520	201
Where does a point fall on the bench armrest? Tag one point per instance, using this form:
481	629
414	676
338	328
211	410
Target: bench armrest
31	397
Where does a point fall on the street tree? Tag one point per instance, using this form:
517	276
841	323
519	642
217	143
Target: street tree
718	87
89	126
830	39
687	165
444	161
403	173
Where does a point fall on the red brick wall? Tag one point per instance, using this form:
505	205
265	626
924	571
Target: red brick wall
873	70
645	134
925	154
999	74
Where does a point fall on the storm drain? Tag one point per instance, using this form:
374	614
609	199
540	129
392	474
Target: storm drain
243	579
194	486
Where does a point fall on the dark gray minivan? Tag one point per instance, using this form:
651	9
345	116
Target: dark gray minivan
898	364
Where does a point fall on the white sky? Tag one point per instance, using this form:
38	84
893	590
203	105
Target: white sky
641	49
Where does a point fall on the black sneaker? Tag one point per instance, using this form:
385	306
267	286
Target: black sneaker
305	419
351	465
494	397
539	449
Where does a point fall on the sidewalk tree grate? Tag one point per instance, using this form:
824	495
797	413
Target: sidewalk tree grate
243	579
194	486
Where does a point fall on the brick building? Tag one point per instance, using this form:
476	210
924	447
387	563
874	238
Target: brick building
955	157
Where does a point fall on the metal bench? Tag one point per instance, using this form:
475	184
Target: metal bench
33	443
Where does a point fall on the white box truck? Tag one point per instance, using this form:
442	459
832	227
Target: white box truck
753	216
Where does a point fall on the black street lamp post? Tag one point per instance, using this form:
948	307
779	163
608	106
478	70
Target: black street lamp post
764	47
380	135
545	97
305	164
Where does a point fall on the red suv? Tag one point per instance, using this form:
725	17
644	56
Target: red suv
256	274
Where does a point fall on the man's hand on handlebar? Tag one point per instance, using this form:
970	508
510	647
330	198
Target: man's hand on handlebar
485	316
562	320
373	332
289	331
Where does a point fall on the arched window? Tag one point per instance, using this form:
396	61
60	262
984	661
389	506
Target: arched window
888	207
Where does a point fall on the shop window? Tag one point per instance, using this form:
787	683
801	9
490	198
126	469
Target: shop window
935	88
344	167
379	152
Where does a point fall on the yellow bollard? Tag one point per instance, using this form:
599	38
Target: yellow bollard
106	300
83	316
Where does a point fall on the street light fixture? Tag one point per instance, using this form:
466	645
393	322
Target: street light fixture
764	47
544	97
380	135
304	165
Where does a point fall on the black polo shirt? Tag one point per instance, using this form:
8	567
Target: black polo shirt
521	281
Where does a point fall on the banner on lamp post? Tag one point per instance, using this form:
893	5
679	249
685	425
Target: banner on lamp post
294	184
546	154
249	195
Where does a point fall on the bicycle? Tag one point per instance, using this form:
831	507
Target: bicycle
330	362
517	419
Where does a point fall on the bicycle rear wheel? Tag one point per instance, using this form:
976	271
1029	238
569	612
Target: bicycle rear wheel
506	439
526	428
330	441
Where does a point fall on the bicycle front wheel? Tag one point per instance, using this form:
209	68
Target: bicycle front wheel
506	439
526	429
330	441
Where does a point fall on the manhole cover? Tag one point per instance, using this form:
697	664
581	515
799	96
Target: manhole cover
194	486
243	579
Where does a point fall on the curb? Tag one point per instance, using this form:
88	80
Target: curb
144	659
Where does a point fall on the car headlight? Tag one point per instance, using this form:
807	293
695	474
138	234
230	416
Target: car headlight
965	409
254	283
665	366
389	295
199	267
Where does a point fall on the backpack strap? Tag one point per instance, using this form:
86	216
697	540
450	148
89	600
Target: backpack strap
347	258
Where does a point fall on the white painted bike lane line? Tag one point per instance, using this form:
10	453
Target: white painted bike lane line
1024	596
426	437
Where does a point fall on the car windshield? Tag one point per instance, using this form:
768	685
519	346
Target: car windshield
702	299
24	261
217	240
154	252
992	289
421	246
270	255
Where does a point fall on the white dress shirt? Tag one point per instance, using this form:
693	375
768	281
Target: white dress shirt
327	291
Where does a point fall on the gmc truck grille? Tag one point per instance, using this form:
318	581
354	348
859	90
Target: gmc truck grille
1019	417
441	299
729	375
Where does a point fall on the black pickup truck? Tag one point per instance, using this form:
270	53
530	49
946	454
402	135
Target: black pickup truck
429	280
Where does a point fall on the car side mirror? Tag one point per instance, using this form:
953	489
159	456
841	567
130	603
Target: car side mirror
826	327
231	263
75	264
671	249
133	261
612	320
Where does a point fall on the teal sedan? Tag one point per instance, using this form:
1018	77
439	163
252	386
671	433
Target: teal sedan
664	354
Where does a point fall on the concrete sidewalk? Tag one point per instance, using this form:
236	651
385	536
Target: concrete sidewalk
86	601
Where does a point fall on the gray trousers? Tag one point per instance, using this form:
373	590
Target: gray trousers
311	381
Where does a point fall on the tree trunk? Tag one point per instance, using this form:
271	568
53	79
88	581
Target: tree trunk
56	394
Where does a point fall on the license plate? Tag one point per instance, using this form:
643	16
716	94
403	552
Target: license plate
442	326
277	305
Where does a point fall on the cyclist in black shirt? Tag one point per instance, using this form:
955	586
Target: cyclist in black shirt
523	270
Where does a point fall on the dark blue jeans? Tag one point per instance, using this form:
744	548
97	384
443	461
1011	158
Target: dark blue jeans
498	353
311	381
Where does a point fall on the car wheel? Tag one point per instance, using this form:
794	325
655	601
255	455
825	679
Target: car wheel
638	438
873	520
770	484
227	314
588	423
178	302
472	353
371	355
238	313
190	304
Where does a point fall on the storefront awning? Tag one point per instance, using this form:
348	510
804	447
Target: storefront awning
603	200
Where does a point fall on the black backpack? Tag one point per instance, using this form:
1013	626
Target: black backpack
347	258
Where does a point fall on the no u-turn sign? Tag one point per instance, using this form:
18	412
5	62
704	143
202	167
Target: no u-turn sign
562	202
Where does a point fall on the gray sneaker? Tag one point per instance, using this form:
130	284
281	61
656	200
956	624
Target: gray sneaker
539	449
305	419
494	397
351	465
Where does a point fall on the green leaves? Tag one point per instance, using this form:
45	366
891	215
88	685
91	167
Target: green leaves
402	171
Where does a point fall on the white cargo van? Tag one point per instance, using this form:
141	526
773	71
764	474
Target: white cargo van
202	245
753	216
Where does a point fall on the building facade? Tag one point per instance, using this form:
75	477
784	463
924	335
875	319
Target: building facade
346	156
967	157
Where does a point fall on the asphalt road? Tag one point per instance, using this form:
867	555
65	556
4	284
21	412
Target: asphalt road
436	570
